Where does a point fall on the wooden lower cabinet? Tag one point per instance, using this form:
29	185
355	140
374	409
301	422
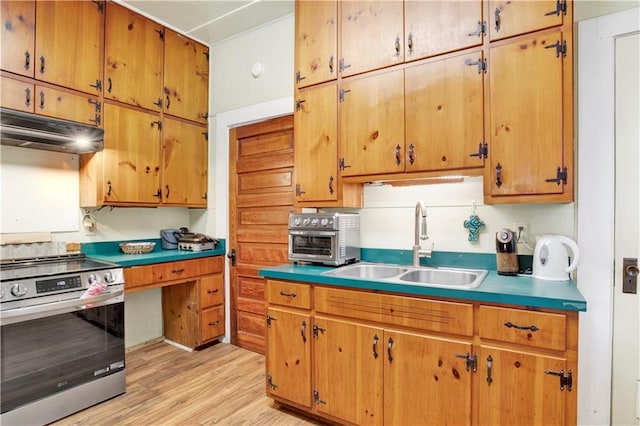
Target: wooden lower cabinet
386	360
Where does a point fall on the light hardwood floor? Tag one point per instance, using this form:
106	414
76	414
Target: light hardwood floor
222	384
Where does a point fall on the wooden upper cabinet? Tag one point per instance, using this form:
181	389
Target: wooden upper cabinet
16	94
134	49
372	124
131	156
184	163
527	118
444	114
186	77
435	27
68	105
69	44
371	35
17	44
316	41
512	17
316	144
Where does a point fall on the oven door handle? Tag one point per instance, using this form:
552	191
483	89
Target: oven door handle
40	311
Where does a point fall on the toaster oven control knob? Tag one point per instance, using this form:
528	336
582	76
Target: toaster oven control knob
109	277
18	290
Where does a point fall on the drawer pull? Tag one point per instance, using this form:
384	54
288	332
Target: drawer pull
282	293
213	324
521	327
177	271
214	291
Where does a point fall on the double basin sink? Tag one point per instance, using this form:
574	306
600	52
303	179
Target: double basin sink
412	275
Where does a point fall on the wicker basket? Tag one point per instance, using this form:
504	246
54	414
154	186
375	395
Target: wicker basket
137	248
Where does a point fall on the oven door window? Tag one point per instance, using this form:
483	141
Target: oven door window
44	356
312	245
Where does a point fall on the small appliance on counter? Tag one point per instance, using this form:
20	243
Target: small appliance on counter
506	256
196	242
551	260
169	237
324	238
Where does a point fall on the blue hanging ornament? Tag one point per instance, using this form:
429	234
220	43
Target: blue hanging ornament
473	224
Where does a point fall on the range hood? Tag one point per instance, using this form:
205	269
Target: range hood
34	131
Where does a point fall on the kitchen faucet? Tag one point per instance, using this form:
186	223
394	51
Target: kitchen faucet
420	233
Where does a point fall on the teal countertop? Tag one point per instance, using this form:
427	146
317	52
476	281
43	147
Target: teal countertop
512	290
109	251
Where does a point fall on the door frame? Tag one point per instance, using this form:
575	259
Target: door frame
219	180
595	205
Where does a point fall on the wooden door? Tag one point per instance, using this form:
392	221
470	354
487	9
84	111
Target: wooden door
348	362
69	44
508	17
17	44
131	156
316	144
186	77
16	94
425	381
261	196
134	49
526	117
316	41
371	35
184	163
453	25
288	363
515	390
444	114
372	124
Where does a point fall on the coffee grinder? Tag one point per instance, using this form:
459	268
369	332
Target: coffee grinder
506	256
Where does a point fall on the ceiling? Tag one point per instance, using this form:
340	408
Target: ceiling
211	21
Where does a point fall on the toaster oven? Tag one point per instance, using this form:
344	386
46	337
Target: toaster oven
324	238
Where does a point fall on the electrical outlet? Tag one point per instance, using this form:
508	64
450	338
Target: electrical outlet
521	230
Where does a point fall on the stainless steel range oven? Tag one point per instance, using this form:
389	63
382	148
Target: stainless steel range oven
61	335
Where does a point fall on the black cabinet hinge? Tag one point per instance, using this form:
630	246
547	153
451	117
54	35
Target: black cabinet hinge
565	381
316	397
269	319
342	165
299	103
299	77
480	63
160	34
560	46
299	192
206	54
341	94
561	176
483	151
471	361
317	330
100	5
561	6
270	382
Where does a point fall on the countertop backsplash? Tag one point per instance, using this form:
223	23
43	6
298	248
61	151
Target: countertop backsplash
50	248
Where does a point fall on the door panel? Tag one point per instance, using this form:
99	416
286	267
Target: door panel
260	200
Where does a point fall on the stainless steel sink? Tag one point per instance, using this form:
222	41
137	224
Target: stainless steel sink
417	276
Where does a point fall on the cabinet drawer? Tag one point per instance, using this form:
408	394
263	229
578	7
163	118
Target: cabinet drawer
158	273
289	294
212	323
445	317
538	329
211	290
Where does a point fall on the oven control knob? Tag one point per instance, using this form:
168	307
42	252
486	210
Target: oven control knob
314	222
109	277
306	221
324	221
92	279
296	221
19	290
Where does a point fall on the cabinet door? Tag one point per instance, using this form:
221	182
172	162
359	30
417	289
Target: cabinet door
425	379
372	124
18	37
184	163
526	117
452	25
69	44
444	114
516	390
316	139
132	156
316	41
289	356
134	50
186	77
67	105
16	94
508	17
348	371
371	35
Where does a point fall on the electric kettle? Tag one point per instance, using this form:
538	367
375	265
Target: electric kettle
551	260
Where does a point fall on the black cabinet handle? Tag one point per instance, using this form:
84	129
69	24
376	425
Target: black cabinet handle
282	293
509	324
110	84
498	175
489	367
27	97
389	347
375	346
42	64
303	329
27	60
